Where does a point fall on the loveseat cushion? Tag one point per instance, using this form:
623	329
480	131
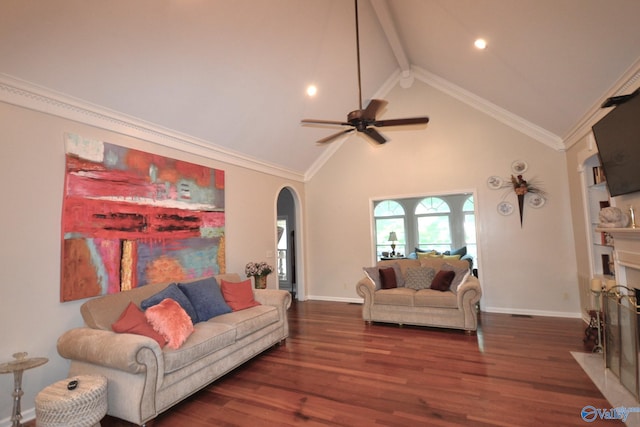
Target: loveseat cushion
419	277
434	298
172	291
170	319
373	273
238	295
388	278
206	338
205	297
133	321
442	281
250	320
461	273
397	296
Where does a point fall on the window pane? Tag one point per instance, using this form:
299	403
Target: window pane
388	208
384	227
468	205
430	205
434	231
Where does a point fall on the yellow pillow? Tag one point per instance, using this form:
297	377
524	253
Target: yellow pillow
432	254
451	256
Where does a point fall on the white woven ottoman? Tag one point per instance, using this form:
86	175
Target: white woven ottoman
84	406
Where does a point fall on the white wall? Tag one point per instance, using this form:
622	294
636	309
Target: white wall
528	269
32	172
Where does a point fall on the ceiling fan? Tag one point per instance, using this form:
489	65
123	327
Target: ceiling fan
364	120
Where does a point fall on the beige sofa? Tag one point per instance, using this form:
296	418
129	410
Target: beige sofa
145	380
454	309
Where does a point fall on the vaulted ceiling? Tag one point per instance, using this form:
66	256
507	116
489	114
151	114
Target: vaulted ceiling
233	74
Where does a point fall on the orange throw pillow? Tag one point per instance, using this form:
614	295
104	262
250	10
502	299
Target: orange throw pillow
170	319
133	321
238	295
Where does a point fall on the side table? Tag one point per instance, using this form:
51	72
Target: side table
17	367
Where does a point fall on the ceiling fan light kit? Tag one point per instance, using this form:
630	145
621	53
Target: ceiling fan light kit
364	120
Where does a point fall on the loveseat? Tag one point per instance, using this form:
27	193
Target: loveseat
145	378
400	291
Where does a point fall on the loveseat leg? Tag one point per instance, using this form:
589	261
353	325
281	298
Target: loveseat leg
469	332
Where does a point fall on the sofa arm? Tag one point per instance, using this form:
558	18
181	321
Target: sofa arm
278	298
469	291
125	352
275	297
366	289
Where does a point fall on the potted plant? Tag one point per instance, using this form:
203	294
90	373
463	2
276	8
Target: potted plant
259	271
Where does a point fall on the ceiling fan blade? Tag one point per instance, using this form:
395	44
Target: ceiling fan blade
323	122
375	135
374	107
401	122
334	136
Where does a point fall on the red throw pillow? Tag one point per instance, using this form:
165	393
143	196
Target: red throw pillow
443	280
238	295
388	278
133	321
170	319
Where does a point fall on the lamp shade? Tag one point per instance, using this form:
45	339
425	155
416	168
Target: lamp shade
393	237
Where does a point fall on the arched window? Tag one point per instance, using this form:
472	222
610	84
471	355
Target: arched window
433	224
389	217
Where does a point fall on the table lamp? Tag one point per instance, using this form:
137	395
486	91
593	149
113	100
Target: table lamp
393	239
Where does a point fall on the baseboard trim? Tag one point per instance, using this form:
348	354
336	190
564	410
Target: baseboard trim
542	313
334	299
27	415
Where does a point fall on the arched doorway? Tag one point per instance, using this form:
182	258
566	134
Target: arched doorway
287	265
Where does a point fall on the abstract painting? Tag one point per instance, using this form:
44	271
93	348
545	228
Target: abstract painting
132	218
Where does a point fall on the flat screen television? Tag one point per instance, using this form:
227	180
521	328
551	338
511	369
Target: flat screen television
618	139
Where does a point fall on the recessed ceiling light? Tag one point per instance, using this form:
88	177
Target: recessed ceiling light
312	90
480	43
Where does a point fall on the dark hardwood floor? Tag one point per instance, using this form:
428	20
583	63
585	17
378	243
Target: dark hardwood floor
335	370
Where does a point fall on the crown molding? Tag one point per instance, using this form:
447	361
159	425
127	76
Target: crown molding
627	83
28	95
516	122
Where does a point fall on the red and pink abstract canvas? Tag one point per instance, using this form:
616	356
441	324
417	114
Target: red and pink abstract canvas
132	218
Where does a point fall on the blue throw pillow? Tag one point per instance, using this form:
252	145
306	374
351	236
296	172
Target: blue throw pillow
172	291
206	298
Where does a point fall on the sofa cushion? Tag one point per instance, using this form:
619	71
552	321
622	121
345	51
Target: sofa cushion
461	274
388	278
207	338
443	280
172	291
171	320
205	297
397	296
419	277
460	251
133	321
436	299
238	295
437	263
373	273
250	320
